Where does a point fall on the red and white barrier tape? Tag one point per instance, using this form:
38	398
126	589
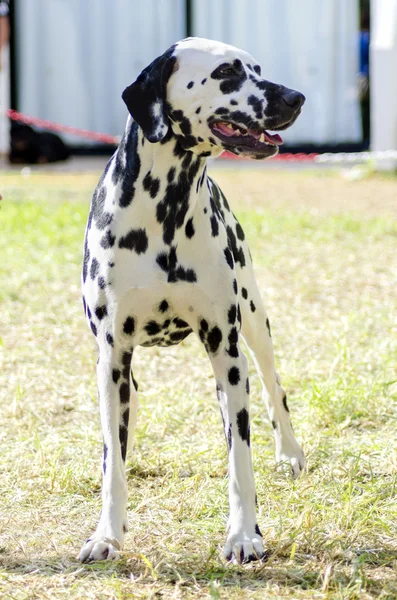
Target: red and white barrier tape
286	156
113	139
50	125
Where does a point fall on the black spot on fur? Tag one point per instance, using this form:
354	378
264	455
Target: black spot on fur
235	286
204	325
285	403
105	454
94	268
238	253
172	208
233	80
162	261
197	113
234	375
233	102
252	306
97	213
268	327
190	85
136	239
101	312
171	175
203	81
109	339
135	383
244	293
116	375
124	392
214	225
233	336
126	361
243	425
222	110
123	437
247	385
229	437
229	257
101	282
178	336
232	313
152	328
180	323
86	259
240	232
257	105
151	185
107	240
129	326
239	314
214	339
189	229
126	417
274	424
163	306
257	69
127	165
93	328
233	351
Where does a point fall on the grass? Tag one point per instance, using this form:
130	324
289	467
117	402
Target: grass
324	251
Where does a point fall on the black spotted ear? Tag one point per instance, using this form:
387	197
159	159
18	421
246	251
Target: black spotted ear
146	98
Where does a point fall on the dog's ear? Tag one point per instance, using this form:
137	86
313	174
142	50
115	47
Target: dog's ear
146	98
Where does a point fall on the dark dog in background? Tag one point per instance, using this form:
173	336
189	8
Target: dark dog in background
32	147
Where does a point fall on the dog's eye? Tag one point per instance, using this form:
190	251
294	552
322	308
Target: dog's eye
227	71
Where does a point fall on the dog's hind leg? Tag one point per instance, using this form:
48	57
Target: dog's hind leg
256	332
114	387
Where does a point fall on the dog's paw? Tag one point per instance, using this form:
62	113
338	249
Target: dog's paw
243	548
291	457
99	548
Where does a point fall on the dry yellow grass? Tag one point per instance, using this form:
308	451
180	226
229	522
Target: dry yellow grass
324	251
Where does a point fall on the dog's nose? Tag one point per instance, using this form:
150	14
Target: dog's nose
294	99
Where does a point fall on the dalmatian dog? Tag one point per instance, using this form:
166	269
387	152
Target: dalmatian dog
164	256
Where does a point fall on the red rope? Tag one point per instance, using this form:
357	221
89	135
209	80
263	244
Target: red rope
111	139
286	156
100	137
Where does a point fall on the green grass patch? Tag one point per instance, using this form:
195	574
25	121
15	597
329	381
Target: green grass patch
328	278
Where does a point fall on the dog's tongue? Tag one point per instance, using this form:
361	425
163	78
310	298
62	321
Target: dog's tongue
223	128
230	132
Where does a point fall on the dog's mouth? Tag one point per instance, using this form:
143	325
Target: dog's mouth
238	135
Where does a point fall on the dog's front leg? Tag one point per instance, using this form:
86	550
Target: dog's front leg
244	541
114	386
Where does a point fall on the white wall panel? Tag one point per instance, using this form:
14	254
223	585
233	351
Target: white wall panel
75	57
309	45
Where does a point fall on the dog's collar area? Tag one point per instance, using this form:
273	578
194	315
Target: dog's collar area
237	134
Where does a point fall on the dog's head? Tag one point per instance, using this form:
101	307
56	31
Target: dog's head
214	98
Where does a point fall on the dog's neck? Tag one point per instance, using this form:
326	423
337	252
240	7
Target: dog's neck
169	155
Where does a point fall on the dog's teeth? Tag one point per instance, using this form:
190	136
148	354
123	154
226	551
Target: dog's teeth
262	137
230	126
